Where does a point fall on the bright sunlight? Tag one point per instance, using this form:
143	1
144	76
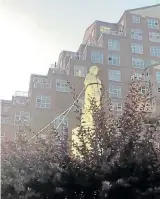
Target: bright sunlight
23	48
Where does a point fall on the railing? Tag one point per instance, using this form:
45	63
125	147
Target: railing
75	56
91	42
157	67
60	71
154	40
109	32
21	94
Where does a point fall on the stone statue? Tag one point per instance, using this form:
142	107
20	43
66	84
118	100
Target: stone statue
93	88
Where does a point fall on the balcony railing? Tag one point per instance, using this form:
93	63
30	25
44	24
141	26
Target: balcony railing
75	56
109	32
21	94
60	71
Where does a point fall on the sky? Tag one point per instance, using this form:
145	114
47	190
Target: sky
34	32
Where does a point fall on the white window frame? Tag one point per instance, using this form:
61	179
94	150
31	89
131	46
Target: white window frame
63	124
155	51
154	36
136	19
5	109
97	57
114	60
136	34
22	134
113	74
115	90
137	48
19	101
143	90
117	108
43	101
80	71
113	44
153	23
4	119
41	82
22	118
3	134
63	86
16	136
158	76
138	63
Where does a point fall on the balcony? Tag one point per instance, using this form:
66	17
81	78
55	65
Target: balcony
75	56
60	71
154	37
117	33
21	94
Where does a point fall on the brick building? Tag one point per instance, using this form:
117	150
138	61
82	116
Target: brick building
118	49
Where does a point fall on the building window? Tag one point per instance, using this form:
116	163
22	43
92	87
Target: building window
114	75
97	57
153	23
117	108
19	101
137	75
4	120
61	122
80	71
154	36
158	76
137	63
79	105
75	55
155	51
136	19
137	48
115	91
136	34
114	60
20	135
16	136
2	133
22	118
113	44
62	85
104	29
40	82
143	90
5	109
43	102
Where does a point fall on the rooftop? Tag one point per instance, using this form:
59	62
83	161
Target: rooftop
151	11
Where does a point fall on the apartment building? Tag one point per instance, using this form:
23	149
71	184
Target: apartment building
118	49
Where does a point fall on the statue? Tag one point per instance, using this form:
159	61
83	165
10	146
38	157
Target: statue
93	88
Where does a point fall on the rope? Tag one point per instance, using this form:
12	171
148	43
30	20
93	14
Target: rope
73	105
68	110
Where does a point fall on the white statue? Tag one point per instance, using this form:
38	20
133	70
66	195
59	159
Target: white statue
93	88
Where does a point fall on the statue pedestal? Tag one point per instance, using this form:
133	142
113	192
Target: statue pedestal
76	136
75	141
